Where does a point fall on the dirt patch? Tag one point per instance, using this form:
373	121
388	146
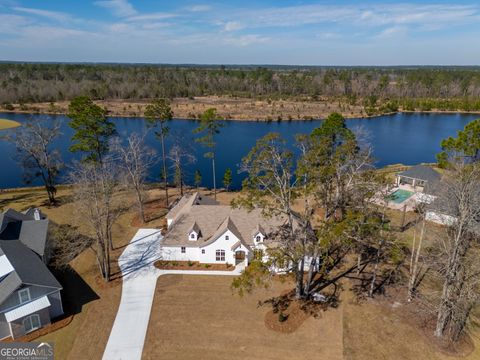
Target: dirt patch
191	265
286	321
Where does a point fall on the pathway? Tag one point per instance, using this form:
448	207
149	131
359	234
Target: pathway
139	281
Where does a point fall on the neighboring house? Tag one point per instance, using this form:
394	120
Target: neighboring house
426	183
29	293
199	229
421	179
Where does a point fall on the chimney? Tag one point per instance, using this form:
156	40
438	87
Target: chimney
36	214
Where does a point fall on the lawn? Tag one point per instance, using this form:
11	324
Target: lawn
94	303
198	317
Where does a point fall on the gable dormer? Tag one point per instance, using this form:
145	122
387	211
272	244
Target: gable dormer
194	232
258	235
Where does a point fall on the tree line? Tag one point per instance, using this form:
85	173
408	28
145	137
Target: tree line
32	82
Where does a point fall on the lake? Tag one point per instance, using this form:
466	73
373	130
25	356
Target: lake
401	138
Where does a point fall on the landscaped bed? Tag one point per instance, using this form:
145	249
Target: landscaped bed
191	265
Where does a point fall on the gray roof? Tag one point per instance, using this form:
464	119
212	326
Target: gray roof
28	266
33	234
8	285
421	172
23	226
213	221
22	240
186	202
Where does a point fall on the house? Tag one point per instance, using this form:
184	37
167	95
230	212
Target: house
29	293
426	183
199	229
419	178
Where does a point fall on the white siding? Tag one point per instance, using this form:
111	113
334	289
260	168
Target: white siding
171	253
220	244
175	253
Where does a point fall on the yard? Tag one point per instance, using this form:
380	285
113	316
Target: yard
198	317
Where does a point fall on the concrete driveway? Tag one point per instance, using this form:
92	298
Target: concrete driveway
139	280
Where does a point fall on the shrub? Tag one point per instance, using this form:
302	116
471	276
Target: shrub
190	263
282	317
207	266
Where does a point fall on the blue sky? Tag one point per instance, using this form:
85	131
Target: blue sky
242	32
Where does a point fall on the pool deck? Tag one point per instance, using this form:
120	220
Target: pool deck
410	203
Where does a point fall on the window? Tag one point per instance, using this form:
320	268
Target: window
183	249
258	238
226	237
24	295
192	236
203	251
220	255
31	323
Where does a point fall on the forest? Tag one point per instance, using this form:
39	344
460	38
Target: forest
377	89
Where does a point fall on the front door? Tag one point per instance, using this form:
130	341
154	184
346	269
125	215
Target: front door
239	256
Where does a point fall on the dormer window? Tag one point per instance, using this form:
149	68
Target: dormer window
193	236
258	238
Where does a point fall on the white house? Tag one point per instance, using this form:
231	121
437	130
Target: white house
199	229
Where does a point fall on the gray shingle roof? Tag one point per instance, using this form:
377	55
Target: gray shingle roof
186	202
19	226
8	285
22	239
421	172
214	220
28	266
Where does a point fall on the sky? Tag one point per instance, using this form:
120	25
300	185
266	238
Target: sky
242	32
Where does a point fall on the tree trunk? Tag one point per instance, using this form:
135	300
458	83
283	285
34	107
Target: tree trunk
414	271
165	174
299	280
214	178
374	275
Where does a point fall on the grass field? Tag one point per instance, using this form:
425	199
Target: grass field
200	318
8	124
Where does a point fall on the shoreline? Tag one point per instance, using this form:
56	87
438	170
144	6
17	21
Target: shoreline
238	109
347	117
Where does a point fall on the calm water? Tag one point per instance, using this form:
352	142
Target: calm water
400	138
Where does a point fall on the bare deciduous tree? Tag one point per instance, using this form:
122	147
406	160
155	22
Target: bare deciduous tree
135	160
33	141
180	156
95	186
456	259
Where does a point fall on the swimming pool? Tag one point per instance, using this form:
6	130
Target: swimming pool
399	196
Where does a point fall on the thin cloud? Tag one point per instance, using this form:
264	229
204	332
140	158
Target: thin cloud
199	8
53	15
151	16
232	26
120	8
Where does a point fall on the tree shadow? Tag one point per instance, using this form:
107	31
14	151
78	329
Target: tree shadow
76	292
